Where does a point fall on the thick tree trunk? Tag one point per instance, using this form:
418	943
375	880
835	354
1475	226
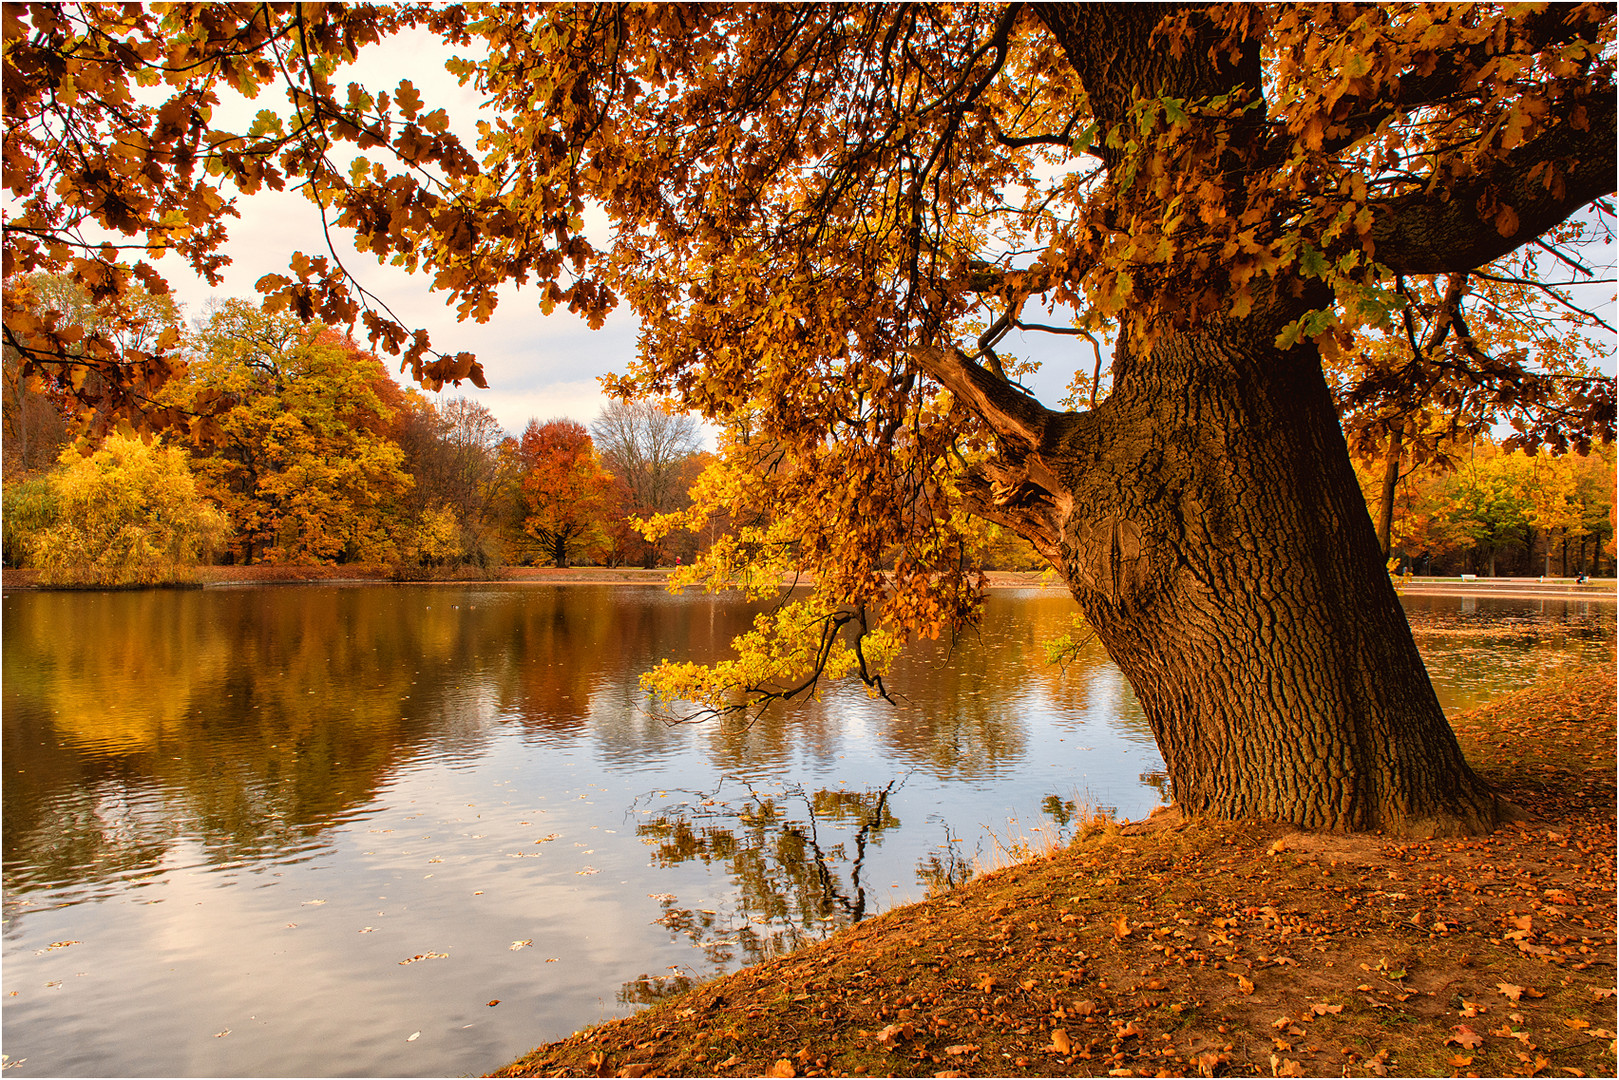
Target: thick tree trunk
1209	524
1223	553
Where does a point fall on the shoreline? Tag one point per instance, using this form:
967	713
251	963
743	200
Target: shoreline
217	577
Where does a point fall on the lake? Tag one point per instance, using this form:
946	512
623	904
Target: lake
416	830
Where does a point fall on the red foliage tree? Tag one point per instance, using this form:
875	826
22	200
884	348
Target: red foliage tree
567	495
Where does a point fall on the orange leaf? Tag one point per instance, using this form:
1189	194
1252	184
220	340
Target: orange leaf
1059	1041
1465	1037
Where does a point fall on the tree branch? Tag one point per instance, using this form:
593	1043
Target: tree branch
1422	234
1011	413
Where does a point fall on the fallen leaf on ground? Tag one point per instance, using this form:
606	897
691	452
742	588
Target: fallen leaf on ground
1464	1037
1285	1067
782	1067
1322	1009
894	1034
1059	1041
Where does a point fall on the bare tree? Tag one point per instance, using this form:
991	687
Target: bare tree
647	447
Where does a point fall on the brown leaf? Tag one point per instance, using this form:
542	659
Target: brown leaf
1122	928
1465	1037
1285	1067
493	1002
894	1034
1322	1009
782	1067
1060	1042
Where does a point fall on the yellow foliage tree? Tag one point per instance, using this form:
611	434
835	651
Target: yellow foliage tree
128	514
298	458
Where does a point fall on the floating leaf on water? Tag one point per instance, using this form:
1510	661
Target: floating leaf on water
587	871
368	929
221	1034
525	943
425	956
312	903
413	1036
59	945
493	1002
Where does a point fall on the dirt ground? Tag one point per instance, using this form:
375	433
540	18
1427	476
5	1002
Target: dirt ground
1171	949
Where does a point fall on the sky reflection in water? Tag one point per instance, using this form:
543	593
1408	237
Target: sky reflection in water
281	831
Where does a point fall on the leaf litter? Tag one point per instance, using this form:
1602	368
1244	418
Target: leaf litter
1187	949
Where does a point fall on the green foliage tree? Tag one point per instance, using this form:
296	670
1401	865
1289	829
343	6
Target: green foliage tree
128	514
828	218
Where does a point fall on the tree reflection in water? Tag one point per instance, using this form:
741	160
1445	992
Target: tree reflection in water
795	882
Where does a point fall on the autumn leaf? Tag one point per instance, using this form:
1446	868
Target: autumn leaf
1122	928
1464	1037
782	1067
1285	1067
1323	1009
425	956
1514	993
1060	1042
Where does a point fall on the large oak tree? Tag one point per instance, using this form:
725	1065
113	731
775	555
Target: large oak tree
828	218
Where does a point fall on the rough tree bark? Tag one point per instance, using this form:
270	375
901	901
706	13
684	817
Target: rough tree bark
1208	521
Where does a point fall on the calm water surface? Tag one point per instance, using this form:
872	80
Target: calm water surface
324	830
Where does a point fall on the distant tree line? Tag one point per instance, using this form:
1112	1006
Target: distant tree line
282	442
1479	508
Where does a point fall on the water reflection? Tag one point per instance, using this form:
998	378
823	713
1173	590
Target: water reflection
796	857
450	770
